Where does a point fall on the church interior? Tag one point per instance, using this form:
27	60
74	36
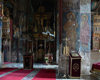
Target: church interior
33	30
49	39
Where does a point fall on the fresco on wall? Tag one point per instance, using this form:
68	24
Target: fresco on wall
70	31
1	11
0	24
71	28
0	44
85	8
71	21
0	30
85	32
94	5
0	33
71	5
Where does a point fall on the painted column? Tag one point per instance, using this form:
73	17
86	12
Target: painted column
85	34
69	32
1	14
76	30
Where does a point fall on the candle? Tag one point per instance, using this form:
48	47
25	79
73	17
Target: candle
67	50
64	50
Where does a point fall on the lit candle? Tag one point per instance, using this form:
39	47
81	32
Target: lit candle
67	50
64	50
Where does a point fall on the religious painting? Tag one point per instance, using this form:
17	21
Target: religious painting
1	11
85	32
40	52
71	29
40	44
0	24
94	5
85	8
0	43
96	33
0	33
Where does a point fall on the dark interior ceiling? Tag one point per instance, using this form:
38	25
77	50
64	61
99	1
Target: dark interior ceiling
48	4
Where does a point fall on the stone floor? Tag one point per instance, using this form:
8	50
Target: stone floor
94	57
20	65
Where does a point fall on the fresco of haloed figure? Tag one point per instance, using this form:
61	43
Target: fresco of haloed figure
84	31
70	29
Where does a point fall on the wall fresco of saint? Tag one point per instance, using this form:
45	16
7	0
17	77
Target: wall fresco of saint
71	26
85	35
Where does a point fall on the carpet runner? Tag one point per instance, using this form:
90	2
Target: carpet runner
5	70
17	75
45	74
7	62
21	74
31	75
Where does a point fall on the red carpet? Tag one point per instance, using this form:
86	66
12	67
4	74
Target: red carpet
5	70
45	74
7	62
17	75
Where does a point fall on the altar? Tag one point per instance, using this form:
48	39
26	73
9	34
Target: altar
43	34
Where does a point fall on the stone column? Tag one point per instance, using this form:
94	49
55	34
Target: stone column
85	34
1	14
57	41
70	32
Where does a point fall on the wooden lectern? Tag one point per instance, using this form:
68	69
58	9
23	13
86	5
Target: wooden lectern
28	61
74	65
